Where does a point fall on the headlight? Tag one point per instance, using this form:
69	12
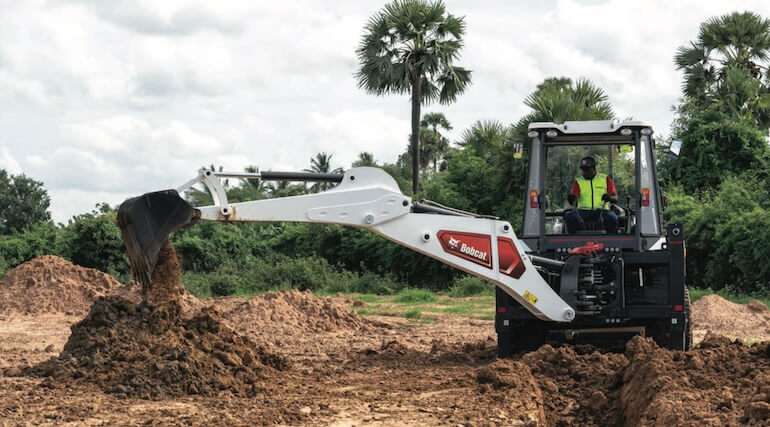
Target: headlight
533	134
625	132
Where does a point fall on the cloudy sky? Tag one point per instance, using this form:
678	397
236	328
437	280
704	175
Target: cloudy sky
101	100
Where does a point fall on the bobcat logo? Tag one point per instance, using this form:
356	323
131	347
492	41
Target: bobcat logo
454	243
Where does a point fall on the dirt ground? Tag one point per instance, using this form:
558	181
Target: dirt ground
298	359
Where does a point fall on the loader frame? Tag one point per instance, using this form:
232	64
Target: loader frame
650	261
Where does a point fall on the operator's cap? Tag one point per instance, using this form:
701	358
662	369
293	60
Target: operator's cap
587	162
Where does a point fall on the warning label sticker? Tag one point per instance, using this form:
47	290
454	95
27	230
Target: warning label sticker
530	297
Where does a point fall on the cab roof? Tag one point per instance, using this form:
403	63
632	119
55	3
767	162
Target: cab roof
589	126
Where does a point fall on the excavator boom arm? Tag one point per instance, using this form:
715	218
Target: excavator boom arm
369	198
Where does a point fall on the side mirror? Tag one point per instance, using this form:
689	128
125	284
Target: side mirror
673	149
518	150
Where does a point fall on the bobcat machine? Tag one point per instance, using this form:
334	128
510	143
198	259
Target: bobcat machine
552	286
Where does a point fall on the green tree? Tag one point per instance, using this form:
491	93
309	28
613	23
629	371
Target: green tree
715	144
560	99
483	137
434	144
484	176
94	240
23	202
724	116
736	41
285	189
364	159
410	46
249	189
321	163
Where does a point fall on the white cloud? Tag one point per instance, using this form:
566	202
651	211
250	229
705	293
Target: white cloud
71	202
103	100
8	162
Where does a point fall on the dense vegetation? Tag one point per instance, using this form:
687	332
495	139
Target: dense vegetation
719	187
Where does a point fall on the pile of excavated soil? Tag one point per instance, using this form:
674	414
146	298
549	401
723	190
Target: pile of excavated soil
577	383
511	382
719	383
49	284
712	313
150	350
287	313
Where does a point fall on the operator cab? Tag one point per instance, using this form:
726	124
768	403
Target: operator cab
623	152
621	281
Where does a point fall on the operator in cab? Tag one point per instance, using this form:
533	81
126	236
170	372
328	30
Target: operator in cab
590	191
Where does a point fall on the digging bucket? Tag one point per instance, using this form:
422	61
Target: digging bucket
146	222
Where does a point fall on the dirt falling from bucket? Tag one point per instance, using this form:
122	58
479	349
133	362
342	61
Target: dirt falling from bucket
165	286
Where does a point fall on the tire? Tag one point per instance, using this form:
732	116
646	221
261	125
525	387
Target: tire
504	345
524	336
688	330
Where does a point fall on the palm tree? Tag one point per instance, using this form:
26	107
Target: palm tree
484	136
410	47
321	163
736	40
256	184
364	159
285	188
437	144
560	99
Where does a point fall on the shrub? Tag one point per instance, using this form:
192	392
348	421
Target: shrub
411	296
727	233
197	284
373	283
468	286
223	285
3	267
94	240
40	239
365	283
413	314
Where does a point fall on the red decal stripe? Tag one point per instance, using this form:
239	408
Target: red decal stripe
510	260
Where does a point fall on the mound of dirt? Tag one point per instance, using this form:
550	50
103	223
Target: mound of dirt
712	313
719	383
287	313
579	384
147	351
150	350
512	382
49	284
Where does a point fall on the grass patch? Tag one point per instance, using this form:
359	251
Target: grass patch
369	298
415	296
453	309
413	314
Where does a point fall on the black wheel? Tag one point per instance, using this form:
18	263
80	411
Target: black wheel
504	345
523	336
688	328
667	336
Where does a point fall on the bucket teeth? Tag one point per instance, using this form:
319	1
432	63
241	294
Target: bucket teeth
146	222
